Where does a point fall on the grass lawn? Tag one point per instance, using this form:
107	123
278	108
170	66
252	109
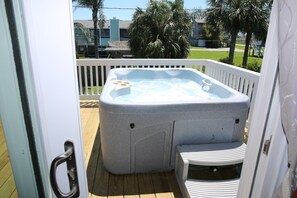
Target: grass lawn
217	55
238	46
241	47
240	41
194	47
213	55
96	90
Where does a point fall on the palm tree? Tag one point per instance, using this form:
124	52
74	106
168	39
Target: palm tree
255	21
198	14
161	31
229	14
80	30
101	23
95	6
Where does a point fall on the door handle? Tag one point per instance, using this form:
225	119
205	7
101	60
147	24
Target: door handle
69	158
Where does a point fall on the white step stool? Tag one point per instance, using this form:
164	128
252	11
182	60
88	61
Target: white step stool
221	154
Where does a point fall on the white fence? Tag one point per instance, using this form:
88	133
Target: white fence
92	73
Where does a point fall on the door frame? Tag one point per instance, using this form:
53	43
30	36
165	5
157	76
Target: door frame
19	123
27	111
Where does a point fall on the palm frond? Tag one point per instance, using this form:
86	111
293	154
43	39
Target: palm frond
154	32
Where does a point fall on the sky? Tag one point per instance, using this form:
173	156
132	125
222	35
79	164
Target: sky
126	14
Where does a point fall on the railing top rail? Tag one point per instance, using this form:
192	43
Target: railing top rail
165	61
251	75
141	61
234	70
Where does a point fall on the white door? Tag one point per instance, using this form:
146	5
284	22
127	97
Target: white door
39	98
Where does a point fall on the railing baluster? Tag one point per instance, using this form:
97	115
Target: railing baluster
214	71
80	79
230	84
246	86
97	79
107	69
91	76
233	81
217	75
102	74
211	71
227	79
222	76
237	83
250	90
86	79
242	82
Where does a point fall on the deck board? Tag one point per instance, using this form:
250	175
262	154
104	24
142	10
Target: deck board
116	186
161	185
173	185
5	174
88	127
14	194
7	183
101	184
146	188
131	189
8	187
4	159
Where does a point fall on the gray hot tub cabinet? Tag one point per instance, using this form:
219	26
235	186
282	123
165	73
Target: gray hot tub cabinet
139	138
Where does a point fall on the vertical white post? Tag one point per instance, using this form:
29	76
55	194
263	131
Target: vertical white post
261	108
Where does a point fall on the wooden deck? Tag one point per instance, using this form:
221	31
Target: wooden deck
103	184
100	182
7	184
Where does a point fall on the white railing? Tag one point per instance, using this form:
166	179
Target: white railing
92	73
242	80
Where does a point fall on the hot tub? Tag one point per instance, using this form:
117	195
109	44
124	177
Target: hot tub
146	113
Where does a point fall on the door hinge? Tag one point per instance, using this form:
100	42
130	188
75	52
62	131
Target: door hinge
267	146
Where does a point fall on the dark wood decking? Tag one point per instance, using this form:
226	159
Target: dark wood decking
103	184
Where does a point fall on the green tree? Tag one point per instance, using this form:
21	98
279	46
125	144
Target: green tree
198	14
229	14
213	35
96	7
255	21
162	30
81	32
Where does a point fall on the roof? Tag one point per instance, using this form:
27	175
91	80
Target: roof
200	20
124	24
118	46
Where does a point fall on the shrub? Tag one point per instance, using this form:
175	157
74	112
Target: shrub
226	60
254	66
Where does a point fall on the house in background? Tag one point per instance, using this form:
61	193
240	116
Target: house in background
113	30
113	38
118	49
197	37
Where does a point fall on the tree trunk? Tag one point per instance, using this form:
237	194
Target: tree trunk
232	46
95	21
246	49
76	49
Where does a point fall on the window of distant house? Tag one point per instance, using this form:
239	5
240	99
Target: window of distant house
123	33
92	34
105	33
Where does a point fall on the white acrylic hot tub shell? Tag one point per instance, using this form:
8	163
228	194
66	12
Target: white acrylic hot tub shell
143	137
